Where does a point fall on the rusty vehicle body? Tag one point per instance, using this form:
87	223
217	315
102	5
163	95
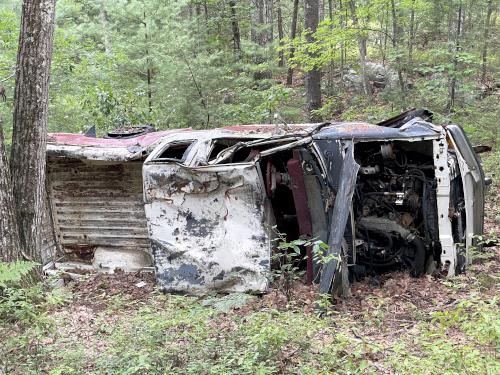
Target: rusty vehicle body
207	207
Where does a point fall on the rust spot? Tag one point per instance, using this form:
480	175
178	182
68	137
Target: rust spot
85	252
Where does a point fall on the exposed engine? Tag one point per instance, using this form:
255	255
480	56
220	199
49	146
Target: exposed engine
395	211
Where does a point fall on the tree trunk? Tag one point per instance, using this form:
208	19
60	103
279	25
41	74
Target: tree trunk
342	20
103	19
386	34
281	54
30	117
205	12
269	20
259	34
236	30
331	67
411	39
313	77
10	248
148	65
293	34
452	89
395	45
362	54
484	52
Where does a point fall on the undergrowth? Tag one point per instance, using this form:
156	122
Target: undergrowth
46	330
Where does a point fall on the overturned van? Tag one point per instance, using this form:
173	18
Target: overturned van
401	194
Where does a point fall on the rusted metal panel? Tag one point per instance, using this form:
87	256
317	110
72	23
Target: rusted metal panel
208	223
83	140
97	204
209	227
302	209
416	129
83	147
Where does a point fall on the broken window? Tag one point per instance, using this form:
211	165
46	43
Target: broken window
222	144
242	151
176	151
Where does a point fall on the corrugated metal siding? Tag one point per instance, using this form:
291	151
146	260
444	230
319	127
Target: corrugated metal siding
98	203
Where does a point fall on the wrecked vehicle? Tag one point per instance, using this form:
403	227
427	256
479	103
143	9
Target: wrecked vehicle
401	194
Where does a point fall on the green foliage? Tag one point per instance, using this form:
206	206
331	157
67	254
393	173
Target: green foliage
229	302
11	273
22	305
179	335
286	269
438	348
25	303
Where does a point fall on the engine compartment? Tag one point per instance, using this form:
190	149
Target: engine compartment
394	208
393	223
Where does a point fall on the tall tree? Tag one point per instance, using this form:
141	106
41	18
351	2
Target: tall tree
486	32
281	55
149	72
30	120
411	38
396	32
236	30
293	34
452	87
261	34
313	76
362	52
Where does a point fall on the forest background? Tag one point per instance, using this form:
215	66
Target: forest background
210	63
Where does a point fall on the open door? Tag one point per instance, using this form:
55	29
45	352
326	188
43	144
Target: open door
470	215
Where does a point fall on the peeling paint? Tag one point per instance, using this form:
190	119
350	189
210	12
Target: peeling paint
222	227
205	220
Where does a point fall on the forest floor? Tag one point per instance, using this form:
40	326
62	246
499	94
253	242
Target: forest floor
120	324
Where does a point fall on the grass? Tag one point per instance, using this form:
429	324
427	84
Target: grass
408	326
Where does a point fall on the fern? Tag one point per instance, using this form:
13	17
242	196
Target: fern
13	272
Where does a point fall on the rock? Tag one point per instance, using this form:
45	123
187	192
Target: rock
379	75
497	219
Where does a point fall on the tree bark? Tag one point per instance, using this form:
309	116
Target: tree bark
313	76
411	39
236	30
10	248
395	45
103	19
331	67
362	53
293	34
452	88
149	73
261	34
281	54
484	52
30	118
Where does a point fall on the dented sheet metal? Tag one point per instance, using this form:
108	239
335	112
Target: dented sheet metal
206	215
416	129
209	227
79	146
340	213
